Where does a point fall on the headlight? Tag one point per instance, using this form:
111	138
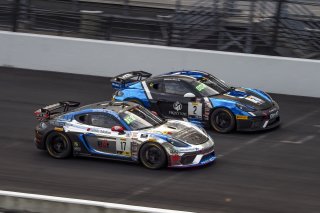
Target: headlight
42	125
177	143
245	108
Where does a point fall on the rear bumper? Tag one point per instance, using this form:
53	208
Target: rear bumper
38	140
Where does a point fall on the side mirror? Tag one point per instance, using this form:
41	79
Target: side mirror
189	95
119	129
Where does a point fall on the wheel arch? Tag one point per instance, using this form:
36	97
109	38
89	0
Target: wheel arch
226	108
148	142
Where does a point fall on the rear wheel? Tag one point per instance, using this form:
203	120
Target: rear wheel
153	156
222	120
58	145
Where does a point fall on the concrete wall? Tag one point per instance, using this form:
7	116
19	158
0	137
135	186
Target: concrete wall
105	58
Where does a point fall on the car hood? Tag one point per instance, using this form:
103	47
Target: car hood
183	131
248	97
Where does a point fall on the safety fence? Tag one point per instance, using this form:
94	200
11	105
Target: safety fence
274	27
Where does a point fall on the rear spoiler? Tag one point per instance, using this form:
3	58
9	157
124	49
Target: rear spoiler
126	79
60	107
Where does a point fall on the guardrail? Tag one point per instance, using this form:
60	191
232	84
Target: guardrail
275	27
16	201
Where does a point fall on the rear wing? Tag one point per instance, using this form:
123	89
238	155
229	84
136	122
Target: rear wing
126	79
45	113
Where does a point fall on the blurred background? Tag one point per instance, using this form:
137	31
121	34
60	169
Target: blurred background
271	27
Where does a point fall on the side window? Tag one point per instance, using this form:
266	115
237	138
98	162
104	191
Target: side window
175	87
103	120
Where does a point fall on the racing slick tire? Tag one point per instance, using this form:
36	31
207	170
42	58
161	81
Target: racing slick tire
58	145
222	120
153	156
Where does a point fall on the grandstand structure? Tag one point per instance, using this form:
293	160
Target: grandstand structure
273	27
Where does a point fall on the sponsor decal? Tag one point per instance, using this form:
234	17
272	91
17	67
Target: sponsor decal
177	106
127	76
103	131
166	132
76	146
174	113
241	117
172	151
104	144
129	119
143	135
134	150
152	140
254	99
274	115
58	129
124	153
201	87
134	134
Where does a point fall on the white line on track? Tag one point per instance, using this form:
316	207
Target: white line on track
259	138
305	139
87	202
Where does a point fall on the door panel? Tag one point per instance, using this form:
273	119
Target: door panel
173	106
102	144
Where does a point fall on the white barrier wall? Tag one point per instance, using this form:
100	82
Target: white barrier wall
17	202
105	58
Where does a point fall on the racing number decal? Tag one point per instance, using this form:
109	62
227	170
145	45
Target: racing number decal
195	109
123	147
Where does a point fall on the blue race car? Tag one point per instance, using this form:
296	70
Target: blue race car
200	98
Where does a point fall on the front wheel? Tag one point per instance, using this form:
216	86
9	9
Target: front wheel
153	156
222	120
58	145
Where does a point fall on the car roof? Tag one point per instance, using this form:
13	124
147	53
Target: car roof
183	74
175	77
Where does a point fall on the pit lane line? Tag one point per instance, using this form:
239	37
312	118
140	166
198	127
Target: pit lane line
259	138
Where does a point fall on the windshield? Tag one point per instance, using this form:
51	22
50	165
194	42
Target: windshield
140	118
209	86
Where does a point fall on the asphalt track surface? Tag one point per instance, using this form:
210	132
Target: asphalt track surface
274	171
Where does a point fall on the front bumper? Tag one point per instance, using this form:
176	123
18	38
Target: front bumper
263	120
205	159
193	159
